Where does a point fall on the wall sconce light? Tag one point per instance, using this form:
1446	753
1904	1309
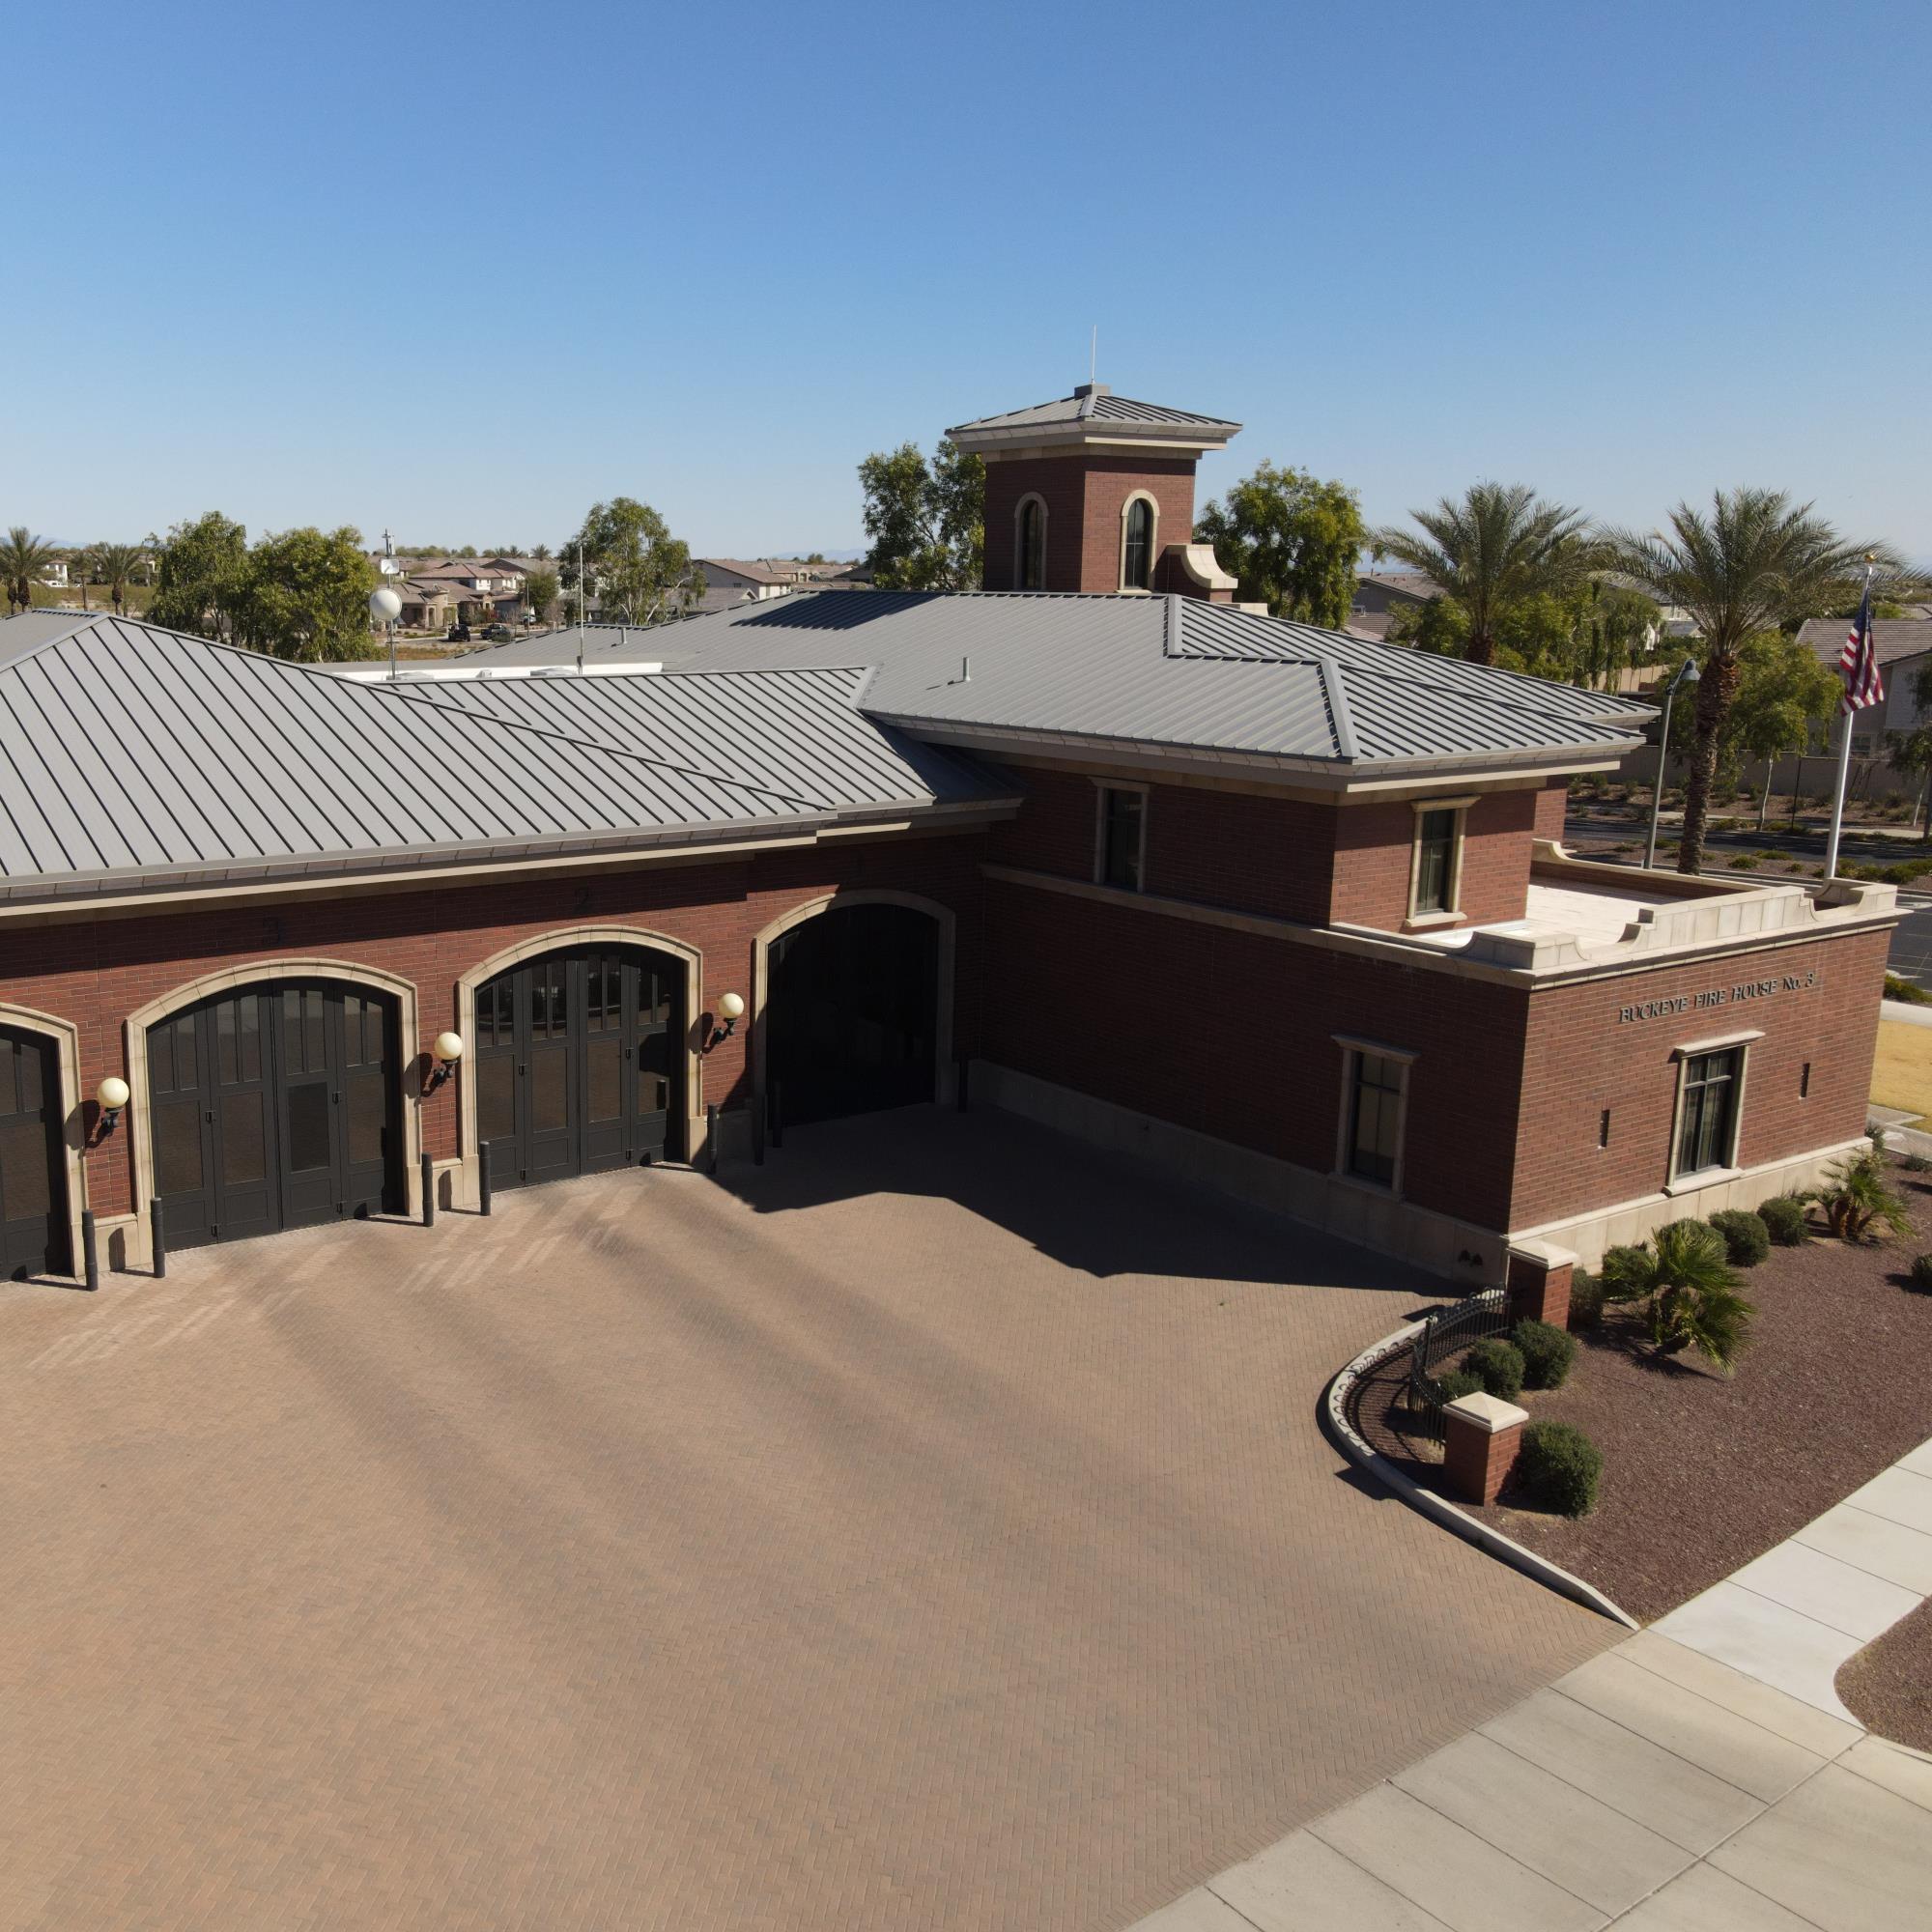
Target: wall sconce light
731	1009
112	1096
447	1052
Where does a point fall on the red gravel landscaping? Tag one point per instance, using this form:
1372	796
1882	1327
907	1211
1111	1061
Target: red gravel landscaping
1887	1686
1703	1471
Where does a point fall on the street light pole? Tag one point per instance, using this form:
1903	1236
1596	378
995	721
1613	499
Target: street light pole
1686	676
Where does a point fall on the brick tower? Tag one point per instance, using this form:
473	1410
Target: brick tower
1095	493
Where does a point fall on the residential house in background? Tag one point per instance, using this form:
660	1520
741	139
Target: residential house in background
1381	594
1904	646
53	574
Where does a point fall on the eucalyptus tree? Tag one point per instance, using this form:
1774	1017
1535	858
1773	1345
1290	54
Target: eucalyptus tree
22	558
1291	541
1753	563
1501	544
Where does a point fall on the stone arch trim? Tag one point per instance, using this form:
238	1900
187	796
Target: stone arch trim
139	1247
72	1104
1152	503
561	938
1020	541
945	1084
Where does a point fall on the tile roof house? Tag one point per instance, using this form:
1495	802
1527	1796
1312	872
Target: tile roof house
1904	647
1282	907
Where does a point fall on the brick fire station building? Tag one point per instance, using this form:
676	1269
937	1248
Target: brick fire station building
1277	906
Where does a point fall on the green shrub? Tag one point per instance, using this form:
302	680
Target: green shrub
1902	876
1745	862
1785	1221
1922	1273
1498	1361
1458	1383
1911	995
1746	1240
1915	1163
1547	1353
1683	1274
1560	1466
1587	1299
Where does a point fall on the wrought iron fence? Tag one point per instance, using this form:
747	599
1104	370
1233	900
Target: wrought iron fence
1447	1332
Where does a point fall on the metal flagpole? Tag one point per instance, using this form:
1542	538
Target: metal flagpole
1845	743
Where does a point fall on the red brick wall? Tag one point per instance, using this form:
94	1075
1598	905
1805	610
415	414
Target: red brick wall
1551	802
1084	496
1228	1033
1272	855
1375	847
1581	1059
96	973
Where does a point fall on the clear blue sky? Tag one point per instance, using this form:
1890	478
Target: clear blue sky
463	270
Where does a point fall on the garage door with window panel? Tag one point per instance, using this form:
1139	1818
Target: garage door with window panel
578	1063
275	1106
34	1231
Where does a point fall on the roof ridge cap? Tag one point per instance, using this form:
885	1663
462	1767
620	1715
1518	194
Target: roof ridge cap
1339	716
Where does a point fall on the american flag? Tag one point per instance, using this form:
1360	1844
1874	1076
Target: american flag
1858	661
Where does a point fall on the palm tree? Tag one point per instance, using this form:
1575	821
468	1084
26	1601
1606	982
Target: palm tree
1500	544
1690	1285
117	564
1755	561
22	558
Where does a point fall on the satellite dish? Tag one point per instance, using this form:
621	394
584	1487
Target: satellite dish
384	605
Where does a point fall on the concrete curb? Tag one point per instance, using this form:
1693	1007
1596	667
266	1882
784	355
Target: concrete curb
1343	1434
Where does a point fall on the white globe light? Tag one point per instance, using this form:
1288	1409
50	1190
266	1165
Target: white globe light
112	1094
449	1046
732	1007
384	605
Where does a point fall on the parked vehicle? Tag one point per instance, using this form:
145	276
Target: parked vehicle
498	634
457	633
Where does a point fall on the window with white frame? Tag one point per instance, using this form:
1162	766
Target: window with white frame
1436	862
1137	544
1709	1099
1119	853
1375	1110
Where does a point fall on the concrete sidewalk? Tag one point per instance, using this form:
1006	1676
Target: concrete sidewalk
1702	1777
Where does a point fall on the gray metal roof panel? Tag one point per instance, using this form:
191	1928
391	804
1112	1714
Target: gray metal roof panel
130	749
1097	406
1158	671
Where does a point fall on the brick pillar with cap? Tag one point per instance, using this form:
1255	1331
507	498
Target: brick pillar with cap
1482	1435
1539	1282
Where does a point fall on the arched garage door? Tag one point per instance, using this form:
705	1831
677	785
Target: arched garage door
32	1178
852	1018
275	1106
580	1059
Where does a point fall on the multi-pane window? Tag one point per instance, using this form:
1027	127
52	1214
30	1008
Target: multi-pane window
1032	572
1436	861
1375	1117
1137	557
1122	829
1709	1130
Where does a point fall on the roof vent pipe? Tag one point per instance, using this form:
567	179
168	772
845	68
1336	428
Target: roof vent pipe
965	671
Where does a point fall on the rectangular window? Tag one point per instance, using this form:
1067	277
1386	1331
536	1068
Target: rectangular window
1804	1082
1707	1136
1122	836
1436	833
1375	1117
1604	1129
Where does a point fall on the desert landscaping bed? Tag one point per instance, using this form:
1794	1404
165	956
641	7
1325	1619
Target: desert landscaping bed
1887	1686
1703	1471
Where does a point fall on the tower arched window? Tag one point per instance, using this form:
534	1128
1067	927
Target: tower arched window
1137	545
1030	550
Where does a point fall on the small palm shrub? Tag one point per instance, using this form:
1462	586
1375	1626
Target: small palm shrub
1560	1466
1498	1363
1746	1240
1547	1353
1859	1201
1689	1288
1784	1220
1922	1274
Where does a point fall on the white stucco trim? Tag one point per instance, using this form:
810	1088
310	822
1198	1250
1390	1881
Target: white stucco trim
70	1101
563	939
137	1244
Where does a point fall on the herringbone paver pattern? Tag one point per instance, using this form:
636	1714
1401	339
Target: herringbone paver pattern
935	1531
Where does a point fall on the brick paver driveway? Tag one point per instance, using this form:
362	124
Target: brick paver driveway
935	1531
